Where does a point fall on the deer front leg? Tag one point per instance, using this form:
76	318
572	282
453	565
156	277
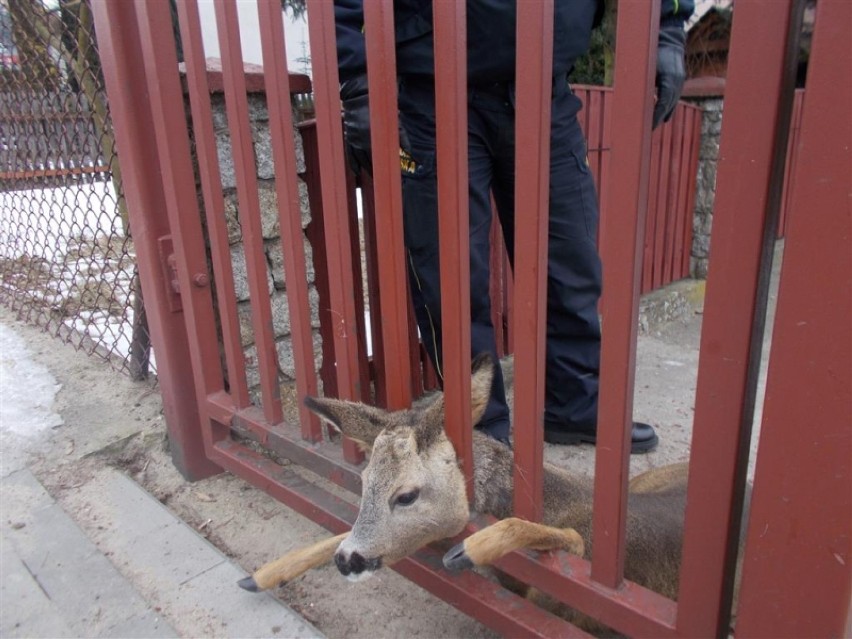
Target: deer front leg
291	565
489	544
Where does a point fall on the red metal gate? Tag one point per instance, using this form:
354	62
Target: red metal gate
796	571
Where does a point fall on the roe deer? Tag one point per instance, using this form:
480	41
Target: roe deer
414	494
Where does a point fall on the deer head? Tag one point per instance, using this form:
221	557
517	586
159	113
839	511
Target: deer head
413	492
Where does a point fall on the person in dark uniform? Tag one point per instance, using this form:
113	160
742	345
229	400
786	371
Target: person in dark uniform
574	269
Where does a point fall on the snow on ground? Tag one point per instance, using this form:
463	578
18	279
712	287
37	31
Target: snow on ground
27	393
65	215
27	389
72	253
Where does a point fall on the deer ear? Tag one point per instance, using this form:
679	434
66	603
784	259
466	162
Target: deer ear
434	417
480	385
357	421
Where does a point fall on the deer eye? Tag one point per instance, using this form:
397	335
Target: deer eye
406	499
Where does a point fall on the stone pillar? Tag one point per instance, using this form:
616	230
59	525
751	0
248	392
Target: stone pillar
705	188
706	93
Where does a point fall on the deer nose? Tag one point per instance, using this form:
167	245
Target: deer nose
354	563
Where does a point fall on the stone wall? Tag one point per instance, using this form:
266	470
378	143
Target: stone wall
276	284
705	188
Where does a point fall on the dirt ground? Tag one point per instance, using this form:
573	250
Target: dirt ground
110	421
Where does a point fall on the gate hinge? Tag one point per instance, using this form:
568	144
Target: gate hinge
168	262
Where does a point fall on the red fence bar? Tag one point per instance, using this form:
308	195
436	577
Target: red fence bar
675	234
242	147
653	209
598	155
450	22
316	235
664	202
384	132
670	214
593	128
797	579
761	72
690	193
181	383
31	174
277	85
333	184
534	82
450	47
668	232
211	187
377	362
638	24
500	269
631	609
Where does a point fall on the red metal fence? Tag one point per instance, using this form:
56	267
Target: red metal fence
796	566
671	192
667	244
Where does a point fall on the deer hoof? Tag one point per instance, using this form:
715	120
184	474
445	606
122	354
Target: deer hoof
248	583
457	559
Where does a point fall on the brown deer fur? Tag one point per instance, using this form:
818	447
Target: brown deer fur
412	457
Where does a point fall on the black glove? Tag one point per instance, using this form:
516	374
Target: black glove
356	125
671	71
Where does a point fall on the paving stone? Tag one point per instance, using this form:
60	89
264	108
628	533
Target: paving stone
58	583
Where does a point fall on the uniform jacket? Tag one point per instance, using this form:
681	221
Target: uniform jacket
490	35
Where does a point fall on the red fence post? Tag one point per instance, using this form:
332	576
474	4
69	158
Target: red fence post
621	251
335	207
277	84
233	78
211	186
453	224
534	85
393	314
124	75
759	95
797	579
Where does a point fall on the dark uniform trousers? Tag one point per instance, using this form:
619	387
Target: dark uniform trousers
574	269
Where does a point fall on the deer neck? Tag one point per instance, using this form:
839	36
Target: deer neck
494	479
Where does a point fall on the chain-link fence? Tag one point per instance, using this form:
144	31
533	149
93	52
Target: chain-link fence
66	257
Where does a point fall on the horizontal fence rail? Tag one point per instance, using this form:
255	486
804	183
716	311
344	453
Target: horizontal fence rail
242	366
48	134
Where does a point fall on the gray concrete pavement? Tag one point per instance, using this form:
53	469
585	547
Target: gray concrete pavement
57	583
139	572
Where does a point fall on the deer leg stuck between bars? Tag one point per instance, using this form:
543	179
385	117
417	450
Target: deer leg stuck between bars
489	544
294	563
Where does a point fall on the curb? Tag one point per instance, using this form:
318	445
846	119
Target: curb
141	572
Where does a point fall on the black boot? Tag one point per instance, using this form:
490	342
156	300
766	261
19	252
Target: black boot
643	438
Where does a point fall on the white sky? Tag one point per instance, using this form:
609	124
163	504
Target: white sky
295	34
